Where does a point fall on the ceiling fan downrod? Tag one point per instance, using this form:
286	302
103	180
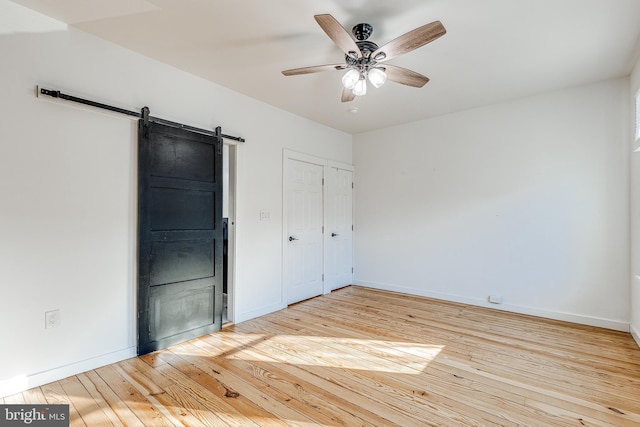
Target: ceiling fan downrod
362	31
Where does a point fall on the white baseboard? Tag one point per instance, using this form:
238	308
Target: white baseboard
635	333
25	382
532	311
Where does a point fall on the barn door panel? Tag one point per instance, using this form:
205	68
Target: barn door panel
180	235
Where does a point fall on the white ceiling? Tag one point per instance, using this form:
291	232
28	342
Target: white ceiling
494	50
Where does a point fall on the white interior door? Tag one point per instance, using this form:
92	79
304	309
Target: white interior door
304	204
339	233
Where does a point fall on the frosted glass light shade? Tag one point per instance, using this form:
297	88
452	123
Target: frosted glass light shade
377	77
360	88
350	79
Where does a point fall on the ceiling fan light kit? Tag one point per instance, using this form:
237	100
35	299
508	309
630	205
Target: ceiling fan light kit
350	79
377	77
363	57
360	88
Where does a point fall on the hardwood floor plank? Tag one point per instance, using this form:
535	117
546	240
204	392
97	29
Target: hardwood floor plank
143	409
35	396
503	369
419	363
365	357
281	389
488	357
88	409
311	390
467	342
204	403
117	411
409	384
152	359
269	400
161	400
242	407
367	322
585	355
536	332
55	394
366	392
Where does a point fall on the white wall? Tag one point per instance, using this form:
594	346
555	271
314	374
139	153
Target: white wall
635	207
527	200
68	193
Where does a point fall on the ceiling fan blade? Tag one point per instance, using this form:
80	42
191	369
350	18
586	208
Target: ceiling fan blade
410	41
404	76
338	34
347	95
314	69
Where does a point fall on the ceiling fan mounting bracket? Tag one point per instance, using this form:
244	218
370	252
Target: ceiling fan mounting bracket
362	31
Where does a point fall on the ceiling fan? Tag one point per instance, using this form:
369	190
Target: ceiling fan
364	59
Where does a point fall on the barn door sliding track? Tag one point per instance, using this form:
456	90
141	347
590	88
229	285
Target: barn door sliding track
143	114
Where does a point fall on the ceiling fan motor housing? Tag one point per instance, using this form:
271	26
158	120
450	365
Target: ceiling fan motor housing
361	32
367	48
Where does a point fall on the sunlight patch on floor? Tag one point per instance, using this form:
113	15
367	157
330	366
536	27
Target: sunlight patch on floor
343	353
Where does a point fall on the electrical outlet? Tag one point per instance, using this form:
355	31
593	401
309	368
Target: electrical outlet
495	299
52	319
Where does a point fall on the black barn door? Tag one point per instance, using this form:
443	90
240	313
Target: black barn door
179	237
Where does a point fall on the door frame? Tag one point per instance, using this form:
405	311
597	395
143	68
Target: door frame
232	227
326	165
327	236
301	157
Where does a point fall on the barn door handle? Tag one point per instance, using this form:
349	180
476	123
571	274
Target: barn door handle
291	238
334	234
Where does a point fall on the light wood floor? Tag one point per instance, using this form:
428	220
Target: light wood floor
365	357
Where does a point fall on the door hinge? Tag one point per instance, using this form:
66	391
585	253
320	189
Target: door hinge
351	227
351	270
352	186
323	229
322	181
323	277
